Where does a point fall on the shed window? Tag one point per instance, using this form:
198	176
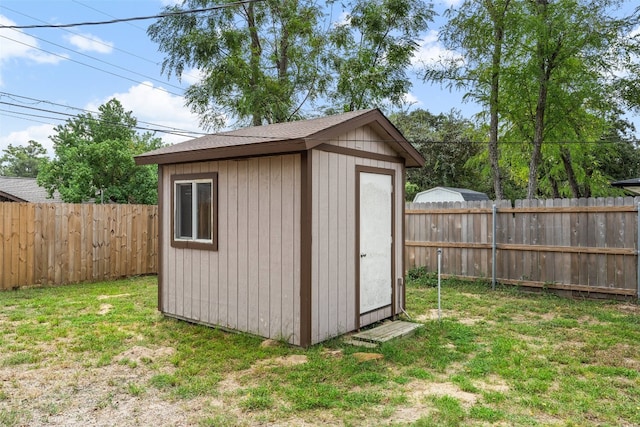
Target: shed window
194	211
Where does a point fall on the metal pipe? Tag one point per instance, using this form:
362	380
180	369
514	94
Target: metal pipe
638	256
439	269
494	248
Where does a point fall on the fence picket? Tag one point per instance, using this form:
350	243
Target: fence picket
568	244
56	243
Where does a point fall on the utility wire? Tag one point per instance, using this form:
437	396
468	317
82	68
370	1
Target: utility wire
136	18
36	101
84	37
99	60
172	132
106	14
91	66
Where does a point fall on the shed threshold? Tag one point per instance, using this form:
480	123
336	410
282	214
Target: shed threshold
386	332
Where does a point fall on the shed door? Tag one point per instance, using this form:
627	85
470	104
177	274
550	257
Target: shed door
375	221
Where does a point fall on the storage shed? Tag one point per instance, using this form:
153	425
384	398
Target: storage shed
290	231
449	194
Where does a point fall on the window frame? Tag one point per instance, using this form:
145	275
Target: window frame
195	243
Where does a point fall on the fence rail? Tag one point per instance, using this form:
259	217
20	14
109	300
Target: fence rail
55	243
586	245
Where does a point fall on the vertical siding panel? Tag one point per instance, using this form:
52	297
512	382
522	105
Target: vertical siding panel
315	244
288	247
176	288
335	221
213	260
350	256
168	253
223	244
343	256
253	250
297	247
263	246
243	246
193	261
275	248
323	246
232	261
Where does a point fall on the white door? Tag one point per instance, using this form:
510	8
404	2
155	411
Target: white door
375	240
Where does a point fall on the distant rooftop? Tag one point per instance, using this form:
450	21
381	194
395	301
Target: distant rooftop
14	189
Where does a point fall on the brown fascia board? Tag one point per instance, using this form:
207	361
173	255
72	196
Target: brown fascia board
381	125
221	153
12	197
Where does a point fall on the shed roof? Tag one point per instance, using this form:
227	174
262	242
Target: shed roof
467	195
632	185
281	138
17	189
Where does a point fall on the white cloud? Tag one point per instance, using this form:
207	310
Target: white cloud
411	99
18	45
431	51
38	133
192	76
151	104
90	43
170	2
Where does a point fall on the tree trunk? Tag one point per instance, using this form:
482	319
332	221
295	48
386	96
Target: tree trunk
496	62
565	155
545	67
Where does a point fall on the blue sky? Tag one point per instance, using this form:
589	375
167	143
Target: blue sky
84	67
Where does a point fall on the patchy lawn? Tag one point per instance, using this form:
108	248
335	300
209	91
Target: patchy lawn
100	354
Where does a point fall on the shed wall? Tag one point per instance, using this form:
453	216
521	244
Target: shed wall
252	282
333	234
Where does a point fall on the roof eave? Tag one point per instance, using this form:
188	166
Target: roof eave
222	153
375	118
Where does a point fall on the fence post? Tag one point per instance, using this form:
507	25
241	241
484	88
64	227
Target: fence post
494	247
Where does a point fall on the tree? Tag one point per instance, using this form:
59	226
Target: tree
480	31
372	51
94	159
264	62
559	62
22	160
260	61
447	142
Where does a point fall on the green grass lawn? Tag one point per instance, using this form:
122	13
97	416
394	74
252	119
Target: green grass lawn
101	353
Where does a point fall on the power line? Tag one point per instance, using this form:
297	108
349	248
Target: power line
43	101
98	59
91	66
106	14
83	36
136	18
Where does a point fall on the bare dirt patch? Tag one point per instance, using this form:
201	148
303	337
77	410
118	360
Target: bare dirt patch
71	394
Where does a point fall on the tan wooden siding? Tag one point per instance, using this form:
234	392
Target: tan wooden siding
365	139
252	283
333	243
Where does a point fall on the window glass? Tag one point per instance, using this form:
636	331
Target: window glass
194	211
184	211
204	217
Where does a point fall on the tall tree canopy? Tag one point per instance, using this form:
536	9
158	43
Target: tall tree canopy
371	51
94	159
22	160
263	62
546	70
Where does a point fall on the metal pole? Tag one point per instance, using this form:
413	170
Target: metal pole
638	255
494	247
439	268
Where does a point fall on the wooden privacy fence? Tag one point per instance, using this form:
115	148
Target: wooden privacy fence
55	243
587	245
